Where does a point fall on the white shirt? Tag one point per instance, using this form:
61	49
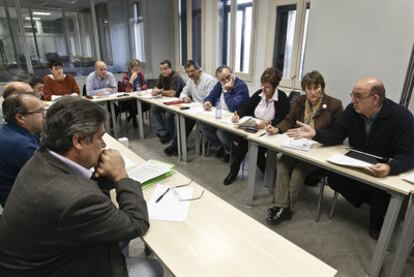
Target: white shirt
75	166
198	91
265	110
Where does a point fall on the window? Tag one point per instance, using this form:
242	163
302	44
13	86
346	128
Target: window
138	31
234	35
73	32
291	20
189	30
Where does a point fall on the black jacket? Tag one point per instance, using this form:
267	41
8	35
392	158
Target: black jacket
281	106
391	135
58	223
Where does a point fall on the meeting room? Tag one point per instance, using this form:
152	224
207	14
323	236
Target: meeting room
206	138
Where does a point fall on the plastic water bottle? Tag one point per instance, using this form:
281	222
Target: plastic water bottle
218	109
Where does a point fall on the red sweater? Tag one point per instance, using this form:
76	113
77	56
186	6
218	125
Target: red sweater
65	87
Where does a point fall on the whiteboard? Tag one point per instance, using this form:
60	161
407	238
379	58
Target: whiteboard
352	39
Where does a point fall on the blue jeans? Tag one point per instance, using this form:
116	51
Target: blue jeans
163	127
143	267
218	137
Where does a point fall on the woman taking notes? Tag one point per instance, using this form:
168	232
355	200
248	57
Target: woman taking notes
269	107
316	109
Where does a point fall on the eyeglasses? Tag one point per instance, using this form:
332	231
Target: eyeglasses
358	96
179	197
40	110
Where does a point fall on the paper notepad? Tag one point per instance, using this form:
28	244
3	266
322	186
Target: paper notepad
149	171
169	208
246	121
341	159
409	178
302	144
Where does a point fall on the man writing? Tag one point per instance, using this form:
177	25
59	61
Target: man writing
100	82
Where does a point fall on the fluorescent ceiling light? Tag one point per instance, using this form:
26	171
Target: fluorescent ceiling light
34	18
73	2
42	13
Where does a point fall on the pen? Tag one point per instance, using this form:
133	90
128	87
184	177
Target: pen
162	195
261	135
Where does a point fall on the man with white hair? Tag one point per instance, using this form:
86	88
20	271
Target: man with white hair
100	82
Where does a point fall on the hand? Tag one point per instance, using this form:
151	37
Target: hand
111	164
381	169
101	93
207	105
262	125
134	75
155	91
235	118
186	99
303	131
270	130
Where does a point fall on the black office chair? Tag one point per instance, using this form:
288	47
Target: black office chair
84	90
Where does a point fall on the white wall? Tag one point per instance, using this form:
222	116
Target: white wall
349	40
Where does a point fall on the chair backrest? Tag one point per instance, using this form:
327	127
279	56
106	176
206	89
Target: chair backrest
84	90
151	83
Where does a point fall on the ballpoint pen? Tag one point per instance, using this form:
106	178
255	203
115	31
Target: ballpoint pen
261	135
162	195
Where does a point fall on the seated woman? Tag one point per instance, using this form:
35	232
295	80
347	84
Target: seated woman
58	83
267	106
134	80
317	110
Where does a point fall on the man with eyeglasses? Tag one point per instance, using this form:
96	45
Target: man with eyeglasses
230	92
375	125
19	137
14	87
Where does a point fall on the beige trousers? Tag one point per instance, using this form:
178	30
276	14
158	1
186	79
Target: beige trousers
291	174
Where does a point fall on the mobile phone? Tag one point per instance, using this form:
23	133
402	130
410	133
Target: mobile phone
251	130
184	108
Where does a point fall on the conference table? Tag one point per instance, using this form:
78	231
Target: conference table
318	156
217	239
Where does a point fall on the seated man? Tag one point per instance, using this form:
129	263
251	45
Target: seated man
376	125
12	87
169	84
100	82
230	92
19	138
37	85
197	87
59	83
58	221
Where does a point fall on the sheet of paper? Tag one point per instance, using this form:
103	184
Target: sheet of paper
169	208
148	171
341	159
409	178
302	144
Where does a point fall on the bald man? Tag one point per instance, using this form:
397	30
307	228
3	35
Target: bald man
100	82
19	137
14	87
375	125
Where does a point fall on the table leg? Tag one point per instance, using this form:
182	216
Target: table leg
140	120
253	150
197	139
385	235
177	131
404	244
114	125
269	177
183	138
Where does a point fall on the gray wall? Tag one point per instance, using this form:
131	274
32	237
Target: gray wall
351	39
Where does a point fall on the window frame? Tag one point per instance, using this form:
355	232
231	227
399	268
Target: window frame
293	82
233	13
178	66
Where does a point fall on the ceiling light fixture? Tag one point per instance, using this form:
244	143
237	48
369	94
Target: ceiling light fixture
42	13
34	18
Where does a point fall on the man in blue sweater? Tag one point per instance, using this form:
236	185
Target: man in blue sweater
375	125
24	114
231	92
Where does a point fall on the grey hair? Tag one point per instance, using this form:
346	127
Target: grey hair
71	116
378	90
221	68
